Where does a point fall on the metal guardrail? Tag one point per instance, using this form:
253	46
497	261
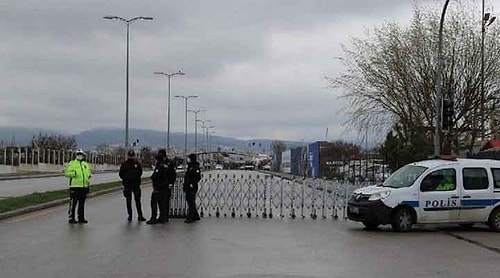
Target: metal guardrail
16	156
263	195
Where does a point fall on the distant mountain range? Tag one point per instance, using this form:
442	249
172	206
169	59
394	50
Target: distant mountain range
151	138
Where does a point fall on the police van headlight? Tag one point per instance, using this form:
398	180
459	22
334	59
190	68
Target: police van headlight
379	196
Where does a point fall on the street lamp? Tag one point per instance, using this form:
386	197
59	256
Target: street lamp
210	144
169	75
186	98
203	126
195	112
207	128
127	22
486	21
438	84
209	147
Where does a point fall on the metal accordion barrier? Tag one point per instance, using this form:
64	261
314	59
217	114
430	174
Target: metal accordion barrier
254	194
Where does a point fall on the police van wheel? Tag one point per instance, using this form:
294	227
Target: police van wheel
402	220
370	225
494	220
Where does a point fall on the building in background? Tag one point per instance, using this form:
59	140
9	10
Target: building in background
322	159
286	162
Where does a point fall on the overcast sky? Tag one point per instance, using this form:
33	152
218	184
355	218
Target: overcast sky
258	67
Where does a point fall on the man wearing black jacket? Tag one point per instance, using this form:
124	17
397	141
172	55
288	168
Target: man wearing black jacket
130	173
160	179
190	188
171	177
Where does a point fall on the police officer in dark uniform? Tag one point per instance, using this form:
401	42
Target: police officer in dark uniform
130	173
171	177
160	189
193	176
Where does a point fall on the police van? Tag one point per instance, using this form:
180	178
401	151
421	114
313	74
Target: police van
445	190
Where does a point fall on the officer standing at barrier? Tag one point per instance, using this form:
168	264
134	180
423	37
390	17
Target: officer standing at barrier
130	173
79	174
160	189
171	177
193	176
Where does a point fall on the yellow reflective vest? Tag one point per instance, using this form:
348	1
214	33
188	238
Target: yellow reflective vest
79	173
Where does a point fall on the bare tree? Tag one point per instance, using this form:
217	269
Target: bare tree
54	142
390	76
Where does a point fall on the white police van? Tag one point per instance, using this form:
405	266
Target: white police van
446	190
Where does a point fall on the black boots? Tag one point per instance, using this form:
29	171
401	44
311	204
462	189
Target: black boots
152	221
80	221
140	218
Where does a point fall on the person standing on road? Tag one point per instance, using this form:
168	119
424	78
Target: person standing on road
190	188
171	177
160	189
79	174
130	173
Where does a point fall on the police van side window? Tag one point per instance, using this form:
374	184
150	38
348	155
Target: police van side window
475	178
496	177
440	180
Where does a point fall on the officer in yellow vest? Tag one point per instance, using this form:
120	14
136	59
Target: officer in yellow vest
447	184
79	174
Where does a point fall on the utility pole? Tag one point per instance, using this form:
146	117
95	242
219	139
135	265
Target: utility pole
438	84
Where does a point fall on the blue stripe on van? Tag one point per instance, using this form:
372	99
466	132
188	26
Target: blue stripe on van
479	202
413	204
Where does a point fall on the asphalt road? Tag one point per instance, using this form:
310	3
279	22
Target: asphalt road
43	244
19	187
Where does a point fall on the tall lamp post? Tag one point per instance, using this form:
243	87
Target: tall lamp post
210	144
203	126
169	75
209	147
486	21
127	22
186	98
438	85
195	112
206	129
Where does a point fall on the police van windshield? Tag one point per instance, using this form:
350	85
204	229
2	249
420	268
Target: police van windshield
404	177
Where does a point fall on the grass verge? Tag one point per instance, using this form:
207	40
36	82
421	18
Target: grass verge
37	198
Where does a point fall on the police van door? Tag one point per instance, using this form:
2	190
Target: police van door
439	197
475	197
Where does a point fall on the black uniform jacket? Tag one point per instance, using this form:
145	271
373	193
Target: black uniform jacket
131	172
193	176
162	176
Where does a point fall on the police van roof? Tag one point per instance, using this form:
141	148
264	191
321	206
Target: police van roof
432	163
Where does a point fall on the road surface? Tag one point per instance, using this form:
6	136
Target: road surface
19	187
43	244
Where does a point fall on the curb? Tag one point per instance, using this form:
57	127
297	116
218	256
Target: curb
10	214
29	177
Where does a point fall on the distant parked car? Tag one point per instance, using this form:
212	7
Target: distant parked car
266	167
218	167
249	167
180	168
